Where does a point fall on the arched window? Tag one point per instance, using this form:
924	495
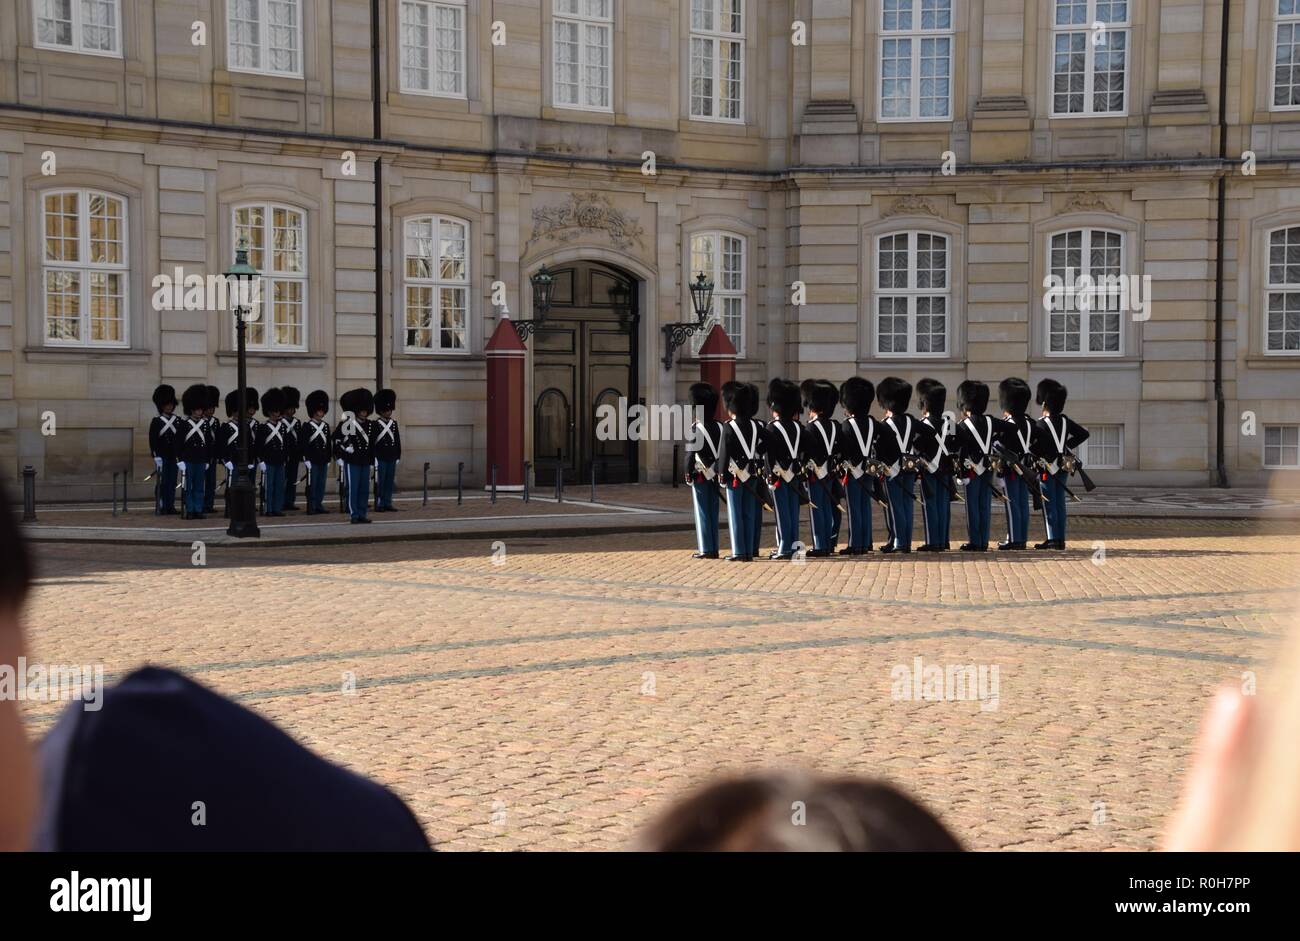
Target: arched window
436	276
84	270
913	294
1084	316
1282	307
721	256
277	247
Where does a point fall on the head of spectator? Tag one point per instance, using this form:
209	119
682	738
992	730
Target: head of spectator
17	770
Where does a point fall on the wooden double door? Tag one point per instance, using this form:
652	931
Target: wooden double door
584	357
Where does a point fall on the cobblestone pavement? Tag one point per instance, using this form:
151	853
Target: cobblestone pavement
557	696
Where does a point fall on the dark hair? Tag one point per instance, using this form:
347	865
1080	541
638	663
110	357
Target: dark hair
1051	396
705	397
16	566
1014	396
758	814
973	396
933	395
857	394
894	394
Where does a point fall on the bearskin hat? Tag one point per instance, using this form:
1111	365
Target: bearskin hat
273	402
253	399
357	401
194	399
213	398
163	396
973	396
806	390
932	396
894	394
385	400
856	395
317	401
1014	396
740	399
292	397
783	398
824	398
1051	396
704	397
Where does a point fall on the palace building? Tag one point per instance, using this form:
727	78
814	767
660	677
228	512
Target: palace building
875	187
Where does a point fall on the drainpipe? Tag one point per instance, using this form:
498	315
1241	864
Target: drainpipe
1220	405
378	135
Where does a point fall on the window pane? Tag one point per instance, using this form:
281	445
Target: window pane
287	235
62	305
896	78
449	41
288	312
1069	67
892	262
250	224
54	22
419	248
891	325
452	252
282	35
245	34
107	236
415	46
62	242
99	25
453	318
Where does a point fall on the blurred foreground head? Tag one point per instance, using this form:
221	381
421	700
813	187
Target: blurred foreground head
796	812
17	777
168	765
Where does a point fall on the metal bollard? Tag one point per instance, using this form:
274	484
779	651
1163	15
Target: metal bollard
528	467
460	483
593	481
426	484
115	476
126	479
676	454
494	483
559	484
29	494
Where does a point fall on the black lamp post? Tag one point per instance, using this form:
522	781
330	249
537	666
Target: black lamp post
675	334
543	283
241	497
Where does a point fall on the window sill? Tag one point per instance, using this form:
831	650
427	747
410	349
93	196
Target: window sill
230	357
1274	361
442	359
92	354
1084	362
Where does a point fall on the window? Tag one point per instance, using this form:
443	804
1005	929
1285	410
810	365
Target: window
85	268
436	272
1090	57
1084	316
915	60
277	247
717	60
90	26
1282	331
912	297
1282	446
1286	56
433	48
721	256
265	36
584	37
1104	449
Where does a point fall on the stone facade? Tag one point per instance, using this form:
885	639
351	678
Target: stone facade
810	175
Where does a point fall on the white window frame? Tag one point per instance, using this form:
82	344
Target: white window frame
1088	448
584	23
270	277
1290	21
715	37
1085	318
430	39
912	293
916	34
436	283
1090	65
1272	287
264	40
720	292
1282	446
84	268
79	30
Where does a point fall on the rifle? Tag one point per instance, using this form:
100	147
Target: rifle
965	464
1070	462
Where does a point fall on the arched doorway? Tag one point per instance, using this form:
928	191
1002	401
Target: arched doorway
585	356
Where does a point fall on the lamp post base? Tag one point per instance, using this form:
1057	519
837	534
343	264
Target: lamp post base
241	501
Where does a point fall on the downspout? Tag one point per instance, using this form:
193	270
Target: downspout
1220	405
378	135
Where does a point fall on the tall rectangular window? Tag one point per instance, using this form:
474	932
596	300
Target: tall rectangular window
1282	304
1104	449
436	275
433	48
264	36
912	294
721	257
1090	41
277	248
84	268
717	60
89	26
583	54
1286	56
1084	317
1282	446
915	60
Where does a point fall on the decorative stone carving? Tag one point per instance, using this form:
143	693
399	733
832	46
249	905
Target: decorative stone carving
911	206
1087	202
582	213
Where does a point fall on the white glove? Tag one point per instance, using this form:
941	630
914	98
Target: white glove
308	463
261	465
398	461
350	449
157	463
376	463
230	467
339	462
181	465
